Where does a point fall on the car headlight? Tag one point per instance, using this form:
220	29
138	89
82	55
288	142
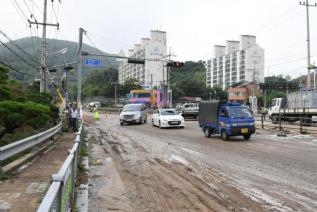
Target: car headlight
234	124
164	119
137	115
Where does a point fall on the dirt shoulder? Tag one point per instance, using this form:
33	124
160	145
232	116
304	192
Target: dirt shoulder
25	188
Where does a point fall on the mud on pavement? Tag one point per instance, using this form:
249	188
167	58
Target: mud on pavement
155	177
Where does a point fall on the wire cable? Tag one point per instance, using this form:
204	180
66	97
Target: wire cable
86	34
18	47
25	61
13	69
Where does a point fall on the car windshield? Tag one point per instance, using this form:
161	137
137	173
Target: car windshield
273	103
240	112
129	108
189	105
168	112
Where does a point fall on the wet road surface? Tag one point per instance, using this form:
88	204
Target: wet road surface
181	170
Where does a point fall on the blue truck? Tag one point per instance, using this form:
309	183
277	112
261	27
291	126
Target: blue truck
226	119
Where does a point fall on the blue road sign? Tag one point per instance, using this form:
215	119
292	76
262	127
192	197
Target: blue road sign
92	62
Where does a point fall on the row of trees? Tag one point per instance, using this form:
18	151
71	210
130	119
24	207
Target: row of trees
103	82
188	80
23	106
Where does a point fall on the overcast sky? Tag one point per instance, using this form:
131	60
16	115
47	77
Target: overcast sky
192	26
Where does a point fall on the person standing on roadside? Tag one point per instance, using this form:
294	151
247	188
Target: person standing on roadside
74	116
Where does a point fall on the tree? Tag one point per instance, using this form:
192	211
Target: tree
129	84
15	114
4	88
15	111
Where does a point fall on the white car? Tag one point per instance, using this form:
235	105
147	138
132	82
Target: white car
167	118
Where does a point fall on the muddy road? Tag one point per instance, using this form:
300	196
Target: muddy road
143	168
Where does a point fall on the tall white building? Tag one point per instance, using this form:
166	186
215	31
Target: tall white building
154	50
237	61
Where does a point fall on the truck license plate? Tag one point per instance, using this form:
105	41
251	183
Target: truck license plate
244	130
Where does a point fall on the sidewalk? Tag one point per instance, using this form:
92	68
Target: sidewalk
25	188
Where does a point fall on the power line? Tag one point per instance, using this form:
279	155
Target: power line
19	7
274	18
36	6
16	54
18	11
13	69
97	48
17	46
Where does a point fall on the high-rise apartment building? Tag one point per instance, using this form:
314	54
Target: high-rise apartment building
154	50
237	61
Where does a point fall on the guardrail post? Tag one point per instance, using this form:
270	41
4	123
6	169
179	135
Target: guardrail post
73	176
56	178
262	121
280	122
59	199
300	125
1	171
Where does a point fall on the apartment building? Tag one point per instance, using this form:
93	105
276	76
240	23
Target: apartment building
236	61
154	50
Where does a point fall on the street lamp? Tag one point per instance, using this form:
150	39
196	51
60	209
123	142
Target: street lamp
61	51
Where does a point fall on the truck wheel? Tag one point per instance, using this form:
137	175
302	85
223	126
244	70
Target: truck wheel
247	137
207	132
274	120
224	135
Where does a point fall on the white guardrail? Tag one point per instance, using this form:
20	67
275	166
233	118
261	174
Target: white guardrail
61	192
17	147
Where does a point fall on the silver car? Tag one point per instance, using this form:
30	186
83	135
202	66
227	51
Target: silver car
133	113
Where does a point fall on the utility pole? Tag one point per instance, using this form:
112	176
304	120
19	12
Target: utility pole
170	54
254	71
306	3
43	68
79	65
163	84
115	92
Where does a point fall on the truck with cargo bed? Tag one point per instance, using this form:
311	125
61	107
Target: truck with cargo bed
297	106
226	119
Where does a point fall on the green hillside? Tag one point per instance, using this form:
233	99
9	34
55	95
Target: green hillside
33	47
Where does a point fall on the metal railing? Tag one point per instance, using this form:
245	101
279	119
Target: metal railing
17	147
61	192
303	124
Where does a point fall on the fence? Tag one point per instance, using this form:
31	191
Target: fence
302	124
17	147
62	189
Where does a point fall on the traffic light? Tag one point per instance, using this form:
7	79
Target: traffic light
136	61
175	64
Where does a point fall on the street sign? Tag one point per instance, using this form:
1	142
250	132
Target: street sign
92	62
